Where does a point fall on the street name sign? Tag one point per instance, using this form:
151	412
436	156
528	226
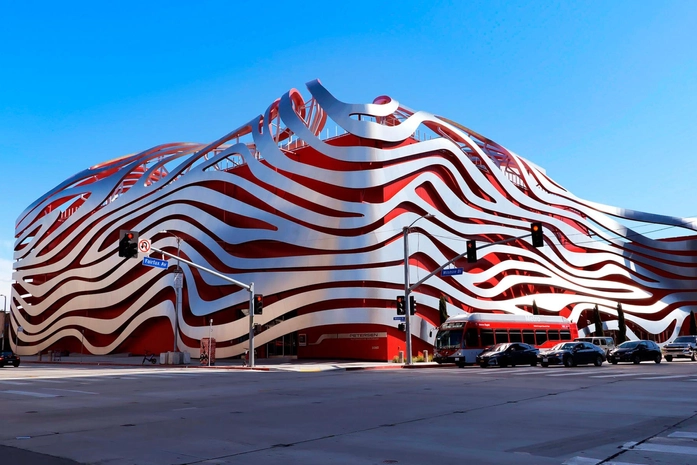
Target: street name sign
155	262
399	318
451	271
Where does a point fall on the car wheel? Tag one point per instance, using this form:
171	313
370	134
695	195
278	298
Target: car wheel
503	364
636	359
533	363
482	365
569	362
669	358
613	361
693	357
15	364
460	365
598	361
657	359
544	364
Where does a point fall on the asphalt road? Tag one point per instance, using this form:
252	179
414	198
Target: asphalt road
626	414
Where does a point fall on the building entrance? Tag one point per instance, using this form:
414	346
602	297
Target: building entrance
284	346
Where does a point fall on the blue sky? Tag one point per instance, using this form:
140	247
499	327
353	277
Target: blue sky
603	95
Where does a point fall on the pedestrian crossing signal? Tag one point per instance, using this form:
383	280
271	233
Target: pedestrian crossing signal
400	305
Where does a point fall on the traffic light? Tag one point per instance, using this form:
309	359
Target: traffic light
536	230
258	304
412	305
128	244
400	305
471	251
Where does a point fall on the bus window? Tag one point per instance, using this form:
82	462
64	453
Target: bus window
449	339
501	335
487	337
529	336
514	335
565	336
540	337
471	338
553	335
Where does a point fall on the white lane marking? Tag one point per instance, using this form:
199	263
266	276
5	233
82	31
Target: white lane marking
31	394
667	377
619	375
581	461
13	382
575	373
49	381
683	434
185	408
73	390
650	447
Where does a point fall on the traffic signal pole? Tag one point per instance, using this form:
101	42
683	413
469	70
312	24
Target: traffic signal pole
249	287
450	262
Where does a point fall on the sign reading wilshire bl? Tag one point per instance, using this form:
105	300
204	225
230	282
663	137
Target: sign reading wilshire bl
451	271
155	262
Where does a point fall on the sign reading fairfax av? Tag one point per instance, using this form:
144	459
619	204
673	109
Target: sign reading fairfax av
155	262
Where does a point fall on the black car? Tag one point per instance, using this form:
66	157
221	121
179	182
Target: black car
571	354
9	358
636	352
509	353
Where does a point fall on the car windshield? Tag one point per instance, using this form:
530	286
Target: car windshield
629	344
498	347
449	339
564	346
685	339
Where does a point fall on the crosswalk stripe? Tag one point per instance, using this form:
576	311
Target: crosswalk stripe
683	434
31	394
19	383
651	447
667	377
619	375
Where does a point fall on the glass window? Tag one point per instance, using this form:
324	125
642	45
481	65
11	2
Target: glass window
529	336
471	339
565	336
449	339
540	337
553	335
515	336
501	335
487	337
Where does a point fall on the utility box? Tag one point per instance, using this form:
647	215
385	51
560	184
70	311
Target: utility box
186	358
208	351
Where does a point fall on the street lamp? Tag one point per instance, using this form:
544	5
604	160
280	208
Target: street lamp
4	314
407	305
178	284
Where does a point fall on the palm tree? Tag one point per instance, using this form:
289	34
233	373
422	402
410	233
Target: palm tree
598	322
535	310
621	325
443	309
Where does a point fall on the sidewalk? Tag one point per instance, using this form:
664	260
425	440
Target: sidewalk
264	364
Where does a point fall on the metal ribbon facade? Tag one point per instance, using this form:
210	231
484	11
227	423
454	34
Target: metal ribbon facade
308	201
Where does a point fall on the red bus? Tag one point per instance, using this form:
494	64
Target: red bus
461	338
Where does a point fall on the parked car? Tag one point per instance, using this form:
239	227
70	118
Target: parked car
571	354
636	352
605	343
510	353
681	347
9	358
